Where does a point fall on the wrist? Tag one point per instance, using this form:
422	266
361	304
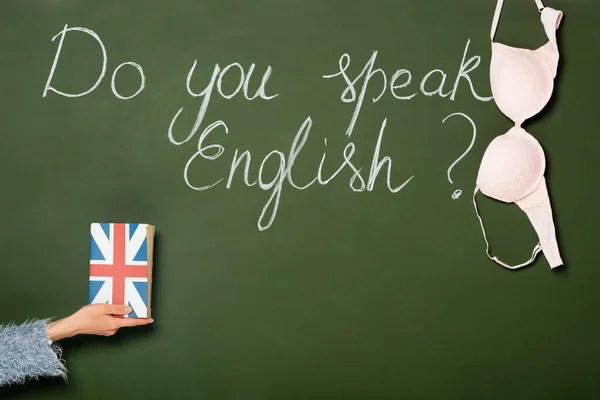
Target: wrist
60	329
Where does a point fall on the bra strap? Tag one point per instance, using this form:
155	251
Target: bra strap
499	4
540	5
551	19
536	249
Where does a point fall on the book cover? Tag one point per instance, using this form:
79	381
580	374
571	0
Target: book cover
121	266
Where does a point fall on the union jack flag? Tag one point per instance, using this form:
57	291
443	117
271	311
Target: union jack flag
119	266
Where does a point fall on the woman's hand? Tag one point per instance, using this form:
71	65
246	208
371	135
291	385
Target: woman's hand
94	319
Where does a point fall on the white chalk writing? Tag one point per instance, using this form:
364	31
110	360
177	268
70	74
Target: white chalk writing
349	94
235	79
93	34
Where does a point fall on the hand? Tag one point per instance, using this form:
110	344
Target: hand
94	319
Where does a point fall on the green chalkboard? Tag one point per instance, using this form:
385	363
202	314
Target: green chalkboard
315	275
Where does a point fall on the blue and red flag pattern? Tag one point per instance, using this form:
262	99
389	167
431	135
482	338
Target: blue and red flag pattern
119	267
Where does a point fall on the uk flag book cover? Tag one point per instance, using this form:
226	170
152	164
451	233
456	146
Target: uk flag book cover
121	266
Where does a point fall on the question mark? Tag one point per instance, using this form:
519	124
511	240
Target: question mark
458	192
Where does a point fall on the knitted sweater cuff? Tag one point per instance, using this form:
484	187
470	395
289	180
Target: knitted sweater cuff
26	352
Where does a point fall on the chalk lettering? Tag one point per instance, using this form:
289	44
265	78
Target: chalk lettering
347	162
261	91
349	94
284	168
368	73
62	35
277	183
217	77
201	152
440	87
142	84
301	136
205	94
393	87
235	163
377	164
220	81
465	69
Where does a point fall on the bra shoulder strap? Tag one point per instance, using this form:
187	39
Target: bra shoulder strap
498	10
539	5
551	19
496	18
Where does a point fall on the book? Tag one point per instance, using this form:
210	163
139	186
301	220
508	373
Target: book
120	271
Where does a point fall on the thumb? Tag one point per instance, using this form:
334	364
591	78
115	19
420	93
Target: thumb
117	309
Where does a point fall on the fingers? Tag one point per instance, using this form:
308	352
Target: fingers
126	322
116	309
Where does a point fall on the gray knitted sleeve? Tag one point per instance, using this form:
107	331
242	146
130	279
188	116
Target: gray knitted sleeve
26	352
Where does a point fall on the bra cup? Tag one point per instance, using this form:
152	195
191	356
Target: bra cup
550	55
521	81
512	166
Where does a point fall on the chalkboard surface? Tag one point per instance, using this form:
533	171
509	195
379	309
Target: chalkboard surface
309	167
